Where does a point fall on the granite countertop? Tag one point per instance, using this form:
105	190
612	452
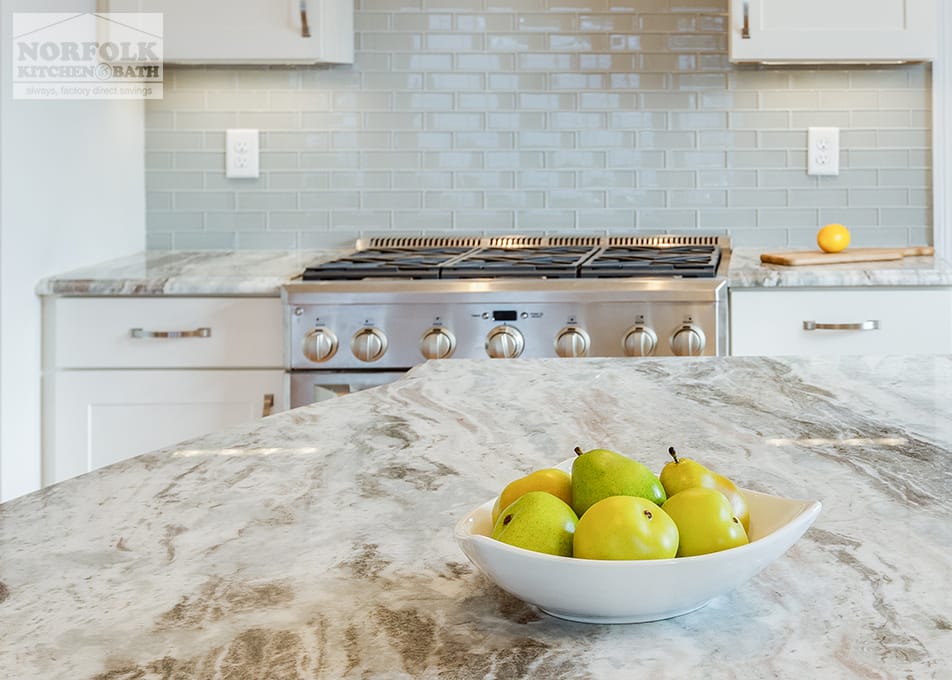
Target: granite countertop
318	543
187	272
262	273
747	271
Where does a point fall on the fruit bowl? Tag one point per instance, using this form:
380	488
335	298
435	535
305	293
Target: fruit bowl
634	591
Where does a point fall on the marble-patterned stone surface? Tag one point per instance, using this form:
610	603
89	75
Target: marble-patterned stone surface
263	272
318	543
747	271
200	272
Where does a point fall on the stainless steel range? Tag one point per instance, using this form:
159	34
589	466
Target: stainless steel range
366	318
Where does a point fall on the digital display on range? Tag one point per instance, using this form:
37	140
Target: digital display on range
504	315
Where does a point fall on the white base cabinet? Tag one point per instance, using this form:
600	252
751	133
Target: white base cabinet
771	321
103	417
127	375
842	31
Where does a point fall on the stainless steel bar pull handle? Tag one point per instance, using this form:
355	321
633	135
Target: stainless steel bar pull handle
745	32
197	333
872	325
268	405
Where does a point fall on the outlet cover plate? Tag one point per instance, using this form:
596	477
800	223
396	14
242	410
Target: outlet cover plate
823	151
241	153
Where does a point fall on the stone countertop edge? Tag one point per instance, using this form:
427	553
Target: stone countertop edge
262	273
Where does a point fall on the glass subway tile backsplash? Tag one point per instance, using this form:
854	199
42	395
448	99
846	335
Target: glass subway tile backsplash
481	116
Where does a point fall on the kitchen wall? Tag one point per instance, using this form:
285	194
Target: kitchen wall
538	115
71	194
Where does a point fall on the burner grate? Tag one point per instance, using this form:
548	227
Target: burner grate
562	257
533	261
416	263
641	260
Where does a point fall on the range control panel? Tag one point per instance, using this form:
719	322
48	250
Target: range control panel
398	336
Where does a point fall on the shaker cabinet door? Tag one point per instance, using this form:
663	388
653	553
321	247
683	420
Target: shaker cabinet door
102	417
250	31
821	31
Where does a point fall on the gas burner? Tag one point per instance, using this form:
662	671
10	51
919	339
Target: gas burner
525	258
546	261
416	263
625	261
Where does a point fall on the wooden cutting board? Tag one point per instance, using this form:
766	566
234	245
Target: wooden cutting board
804	257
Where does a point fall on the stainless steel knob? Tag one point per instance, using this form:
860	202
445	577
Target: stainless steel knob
504	342
437	343
688	341
640	342
572	342
369	344
319	345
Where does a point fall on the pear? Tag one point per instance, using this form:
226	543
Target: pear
684	473
625	528
537	521
553	480
601	473
705	520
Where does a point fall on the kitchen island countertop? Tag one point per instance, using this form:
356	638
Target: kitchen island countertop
318	543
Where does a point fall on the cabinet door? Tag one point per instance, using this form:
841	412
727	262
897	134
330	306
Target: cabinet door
101	417
907	321
250	31
840	31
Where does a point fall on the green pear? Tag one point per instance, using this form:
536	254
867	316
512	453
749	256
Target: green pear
601	473
684	473
537	521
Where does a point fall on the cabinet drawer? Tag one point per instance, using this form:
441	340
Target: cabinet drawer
910	321
203	332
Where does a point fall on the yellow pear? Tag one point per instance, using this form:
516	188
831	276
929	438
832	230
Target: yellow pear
684	473
552	480
705	522
625	528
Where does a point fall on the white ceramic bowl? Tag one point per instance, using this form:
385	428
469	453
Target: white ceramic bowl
633	591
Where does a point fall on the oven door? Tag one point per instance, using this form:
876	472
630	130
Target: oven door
308	387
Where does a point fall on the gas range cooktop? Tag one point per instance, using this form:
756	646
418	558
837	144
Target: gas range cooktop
396	301
526	257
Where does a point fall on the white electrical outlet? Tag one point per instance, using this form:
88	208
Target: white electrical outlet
241	153
823	151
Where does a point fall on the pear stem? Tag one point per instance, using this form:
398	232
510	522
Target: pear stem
673	454
578	451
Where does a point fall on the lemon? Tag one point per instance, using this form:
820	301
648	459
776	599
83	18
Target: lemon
833	238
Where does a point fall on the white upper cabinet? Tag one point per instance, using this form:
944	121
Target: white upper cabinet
250	31
832	31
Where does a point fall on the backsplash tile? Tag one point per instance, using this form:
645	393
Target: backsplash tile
478	116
